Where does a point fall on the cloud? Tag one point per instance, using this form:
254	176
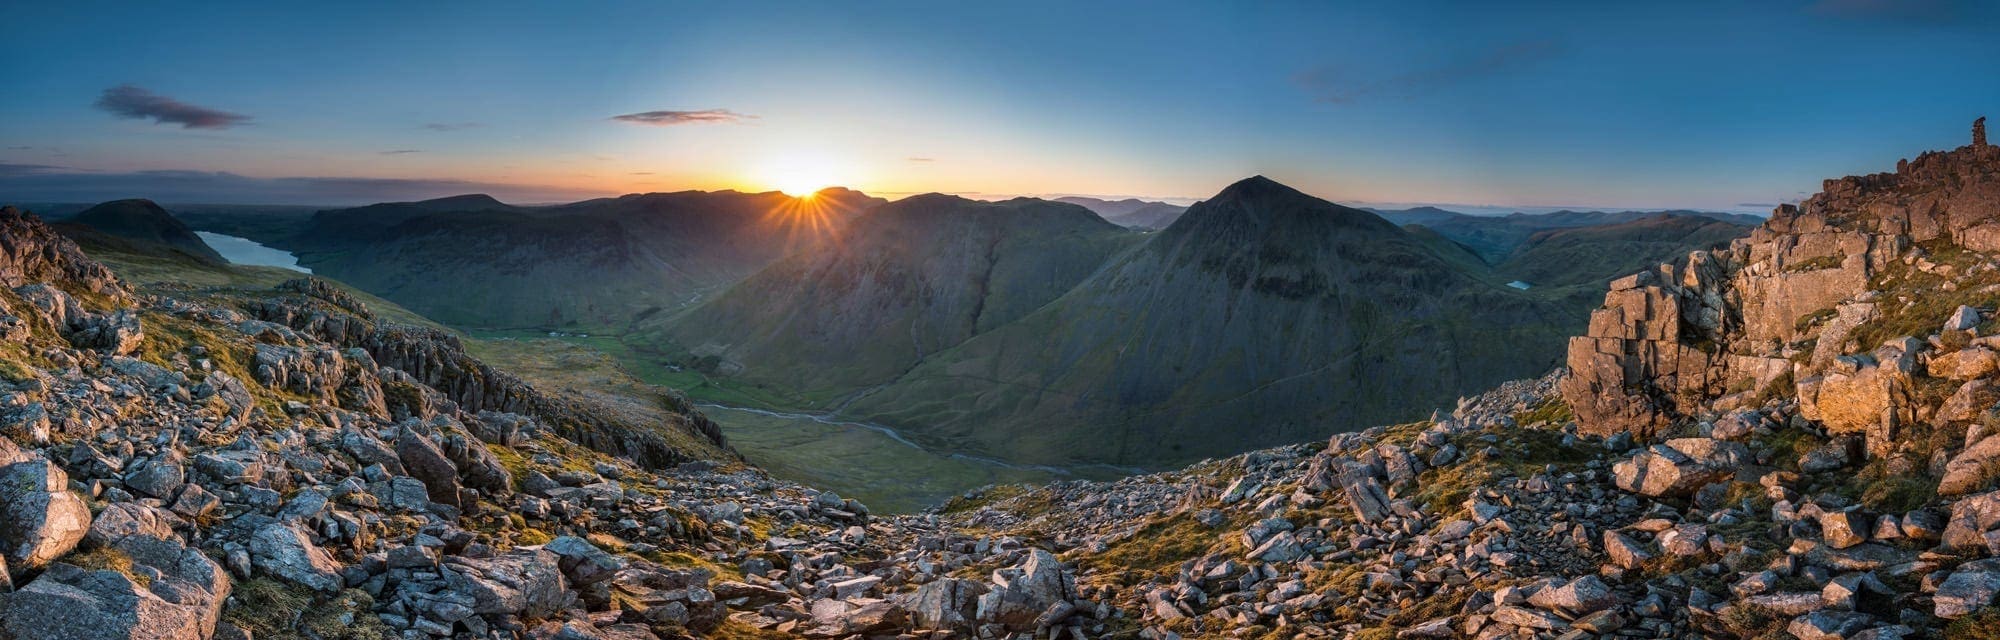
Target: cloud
127	101
671	118
452	126
20	148
919	159
8	169
40	183
1333	84
642	173
398	152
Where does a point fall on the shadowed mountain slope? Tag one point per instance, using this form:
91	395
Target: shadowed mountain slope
909	279
143	222
1263	315
472	261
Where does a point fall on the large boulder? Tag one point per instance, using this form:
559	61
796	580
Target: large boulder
427	463
40	518
120	520
1022	594
285	552
946	604
525	582
70	603
1971	587
1973	469
1971	518
1679	467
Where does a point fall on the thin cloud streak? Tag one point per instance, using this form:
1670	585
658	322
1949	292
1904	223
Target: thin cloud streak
42	183
673	118
452	126
128	101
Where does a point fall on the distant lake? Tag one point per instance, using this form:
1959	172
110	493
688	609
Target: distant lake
245	251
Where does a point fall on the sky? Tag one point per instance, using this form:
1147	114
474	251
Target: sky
1725	105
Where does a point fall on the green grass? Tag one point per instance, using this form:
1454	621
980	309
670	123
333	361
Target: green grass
859	462
1157	550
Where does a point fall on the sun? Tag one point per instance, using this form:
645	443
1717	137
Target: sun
799	175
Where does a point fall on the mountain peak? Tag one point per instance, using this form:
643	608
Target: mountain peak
1257	186
465	202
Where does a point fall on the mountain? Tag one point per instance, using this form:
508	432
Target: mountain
1130	212
472	261
1575	262
1263	315
1494	238
906	280
142	221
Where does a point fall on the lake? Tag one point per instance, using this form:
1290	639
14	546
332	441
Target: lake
245	251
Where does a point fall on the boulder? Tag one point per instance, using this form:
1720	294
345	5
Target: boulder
121	520
1576	598
1020	595
40	518
1973	469
582	561
1680	466
285	552
1965	364
1973	586
1971	518
945	604
524	582
428	464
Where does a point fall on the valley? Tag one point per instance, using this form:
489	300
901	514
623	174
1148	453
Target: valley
831	352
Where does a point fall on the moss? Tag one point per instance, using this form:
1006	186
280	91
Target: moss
1157	549
1810	320
688	560
1981	625
1551	411
106	558
1750	621
531	536
273	610
738	630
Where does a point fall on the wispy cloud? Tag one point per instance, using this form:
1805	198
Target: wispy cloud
9	169
452	126
128	101
398	152
1339	84
642	173
922	159
42	183
671	118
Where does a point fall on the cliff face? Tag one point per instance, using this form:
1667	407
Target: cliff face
1815	303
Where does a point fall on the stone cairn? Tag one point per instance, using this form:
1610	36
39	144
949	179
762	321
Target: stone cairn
1979	132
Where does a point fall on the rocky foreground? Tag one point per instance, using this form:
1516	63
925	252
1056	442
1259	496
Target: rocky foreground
1796	437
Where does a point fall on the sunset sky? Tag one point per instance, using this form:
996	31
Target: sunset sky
1719	105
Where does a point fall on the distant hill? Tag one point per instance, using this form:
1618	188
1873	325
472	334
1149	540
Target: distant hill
1496	237
142	223
1263	315
472	261
908	279
1130	212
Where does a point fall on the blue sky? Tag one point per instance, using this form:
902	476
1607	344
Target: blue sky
1718	105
